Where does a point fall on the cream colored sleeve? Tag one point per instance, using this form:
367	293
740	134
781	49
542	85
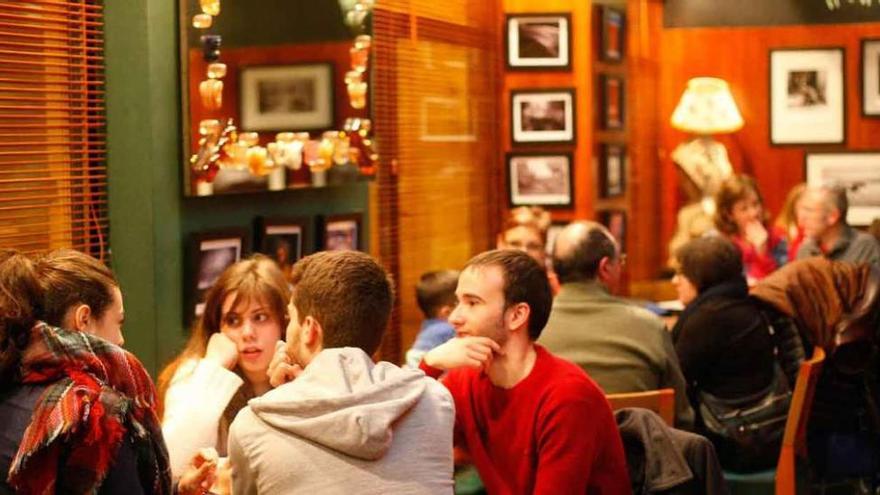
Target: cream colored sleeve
196	398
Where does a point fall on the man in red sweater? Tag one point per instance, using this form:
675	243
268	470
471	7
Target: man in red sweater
531	422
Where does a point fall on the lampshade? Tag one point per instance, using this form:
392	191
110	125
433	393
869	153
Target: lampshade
707	107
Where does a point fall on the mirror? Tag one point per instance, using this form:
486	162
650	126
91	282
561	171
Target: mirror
290	76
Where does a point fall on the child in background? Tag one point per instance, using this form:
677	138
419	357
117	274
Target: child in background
435	294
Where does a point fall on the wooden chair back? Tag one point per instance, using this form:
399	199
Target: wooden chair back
660	401
794	441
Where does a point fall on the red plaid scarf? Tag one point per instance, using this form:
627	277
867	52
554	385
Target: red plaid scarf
98	394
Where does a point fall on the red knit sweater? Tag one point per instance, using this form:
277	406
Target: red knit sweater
553	432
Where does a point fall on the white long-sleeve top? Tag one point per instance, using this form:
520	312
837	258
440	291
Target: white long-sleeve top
194	402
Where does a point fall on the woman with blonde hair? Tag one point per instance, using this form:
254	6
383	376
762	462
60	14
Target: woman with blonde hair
740	216
525	229
225	361
789	220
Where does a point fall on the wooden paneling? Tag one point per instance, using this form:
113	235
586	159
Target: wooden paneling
741	57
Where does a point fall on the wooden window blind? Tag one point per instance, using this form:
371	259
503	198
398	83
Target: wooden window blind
435	96
53	177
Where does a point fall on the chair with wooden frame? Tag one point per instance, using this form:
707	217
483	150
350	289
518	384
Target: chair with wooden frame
660	401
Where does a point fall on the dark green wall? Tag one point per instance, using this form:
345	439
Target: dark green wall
149	220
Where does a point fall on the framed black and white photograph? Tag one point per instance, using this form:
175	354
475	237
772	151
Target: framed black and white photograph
211	253
542	116
611	102
286	97
870	78
615	222
807	103
540	179
611	34
284	240
342	232
612	170
858	172
538	41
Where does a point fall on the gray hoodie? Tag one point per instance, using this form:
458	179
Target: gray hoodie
346	424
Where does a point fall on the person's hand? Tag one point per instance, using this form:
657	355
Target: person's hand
756	234
474	352
222	350
200	474
223	483
282	369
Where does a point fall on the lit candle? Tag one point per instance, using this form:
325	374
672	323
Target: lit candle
202	21
217	70
209	127
258	160
211	92
357	95
210	7
249	138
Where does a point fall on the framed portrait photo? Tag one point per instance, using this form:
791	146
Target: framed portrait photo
540	179
538	41
807	96
210	254
858	172
615	222
611	34
611	102
612	170
342	232
286	97
871	78
542	116
284	240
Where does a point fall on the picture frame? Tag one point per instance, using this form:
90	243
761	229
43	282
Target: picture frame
284	240
341	232
870	77
539	41
612	170
543	116
210	253
612	30
540	178
295	97
857	171
612	93
615	221
807	96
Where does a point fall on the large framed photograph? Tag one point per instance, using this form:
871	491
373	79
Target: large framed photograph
540	179
286	97
807	96
538	41
871	78
342	232
210	254
858	172
611	102
612	170
615	222
285	240
611	34
542	116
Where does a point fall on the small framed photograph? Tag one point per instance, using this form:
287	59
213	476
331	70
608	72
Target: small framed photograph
210	254
612	170
611	37
807	96
858	172
615	222
545	116
286	97
871	78
611	98
285	240
538	41
342	232
540	179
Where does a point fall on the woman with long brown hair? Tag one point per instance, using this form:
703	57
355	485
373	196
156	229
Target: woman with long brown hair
225	361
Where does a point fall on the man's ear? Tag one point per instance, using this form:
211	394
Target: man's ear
604	271
81	315
312	334
834	217
518	315
444	311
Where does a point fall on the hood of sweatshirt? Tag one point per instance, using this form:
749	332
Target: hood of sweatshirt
343	401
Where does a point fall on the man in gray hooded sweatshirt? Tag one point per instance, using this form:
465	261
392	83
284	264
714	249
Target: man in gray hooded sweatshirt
341	423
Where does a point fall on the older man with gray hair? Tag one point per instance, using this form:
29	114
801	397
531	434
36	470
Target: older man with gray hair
623	347
824	216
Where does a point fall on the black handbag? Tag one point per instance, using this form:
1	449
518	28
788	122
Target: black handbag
753	423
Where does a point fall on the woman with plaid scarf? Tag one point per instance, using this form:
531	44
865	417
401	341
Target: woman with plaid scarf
78	411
